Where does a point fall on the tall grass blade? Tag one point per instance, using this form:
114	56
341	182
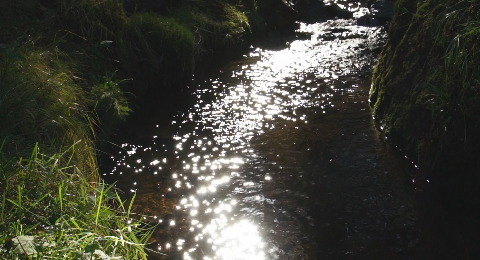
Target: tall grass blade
99	204
4	200
131	205
3	144
60	197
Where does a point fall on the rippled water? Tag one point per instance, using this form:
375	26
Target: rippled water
212	181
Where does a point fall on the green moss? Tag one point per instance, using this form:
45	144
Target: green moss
221	27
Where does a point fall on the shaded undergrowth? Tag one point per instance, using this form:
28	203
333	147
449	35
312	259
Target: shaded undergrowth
85	61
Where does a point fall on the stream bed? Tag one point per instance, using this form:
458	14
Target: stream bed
274	156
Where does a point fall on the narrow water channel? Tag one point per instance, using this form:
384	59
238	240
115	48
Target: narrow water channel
274	156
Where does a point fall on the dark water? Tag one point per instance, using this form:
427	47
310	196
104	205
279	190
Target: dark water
275	156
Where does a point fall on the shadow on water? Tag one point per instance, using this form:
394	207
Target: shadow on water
275	156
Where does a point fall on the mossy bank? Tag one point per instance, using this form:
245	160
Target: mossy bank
425	92
86	61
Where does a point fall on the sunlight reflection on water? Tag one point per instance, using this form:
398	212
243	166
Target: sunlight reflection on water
221	201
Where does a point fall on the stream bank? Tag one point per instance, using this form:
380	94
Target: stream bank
425	95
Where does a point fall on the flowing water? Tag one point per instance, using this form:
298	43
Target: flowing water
274	156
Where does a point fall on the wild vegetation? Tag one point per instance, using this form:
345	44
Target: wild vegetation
425	90
50	211
69	72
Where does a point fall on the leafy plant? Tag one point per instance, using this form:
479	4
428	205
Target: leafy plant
110	98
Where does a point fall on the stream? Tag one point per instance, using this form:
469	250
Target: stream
274	156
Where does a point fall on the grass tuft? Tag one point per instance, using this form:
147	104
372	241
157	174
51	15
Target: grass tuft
41	102
57	213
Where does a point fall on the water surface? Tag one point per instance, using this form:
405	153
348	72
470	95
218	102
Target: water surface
273	156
